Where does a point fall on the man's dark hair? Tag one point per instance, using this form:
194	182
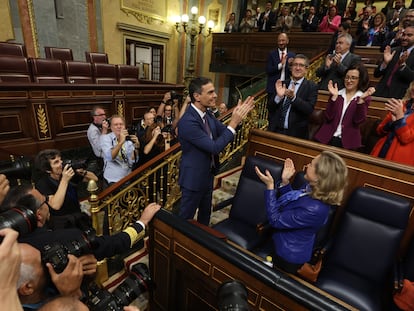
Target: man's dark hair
196	86
93	111
345	26
19	196
42	160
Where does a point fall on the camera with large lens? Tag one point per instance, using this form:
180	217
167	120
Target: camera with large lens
21	219
75	164
138	282
17	168
232	296
57	253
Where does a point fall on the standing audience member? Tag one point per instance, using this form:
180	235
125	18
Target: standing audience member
350	12
222	108
297	215
375	35
154	143
370	4
120	150
331	21
344	28
396	15
58	182
365	22
9	270
294	101
310	21
247	23
231	24
337	63
277	67
347	110
397	130
202	138
147	120
98	127
298	13
267	19
397	67
284	22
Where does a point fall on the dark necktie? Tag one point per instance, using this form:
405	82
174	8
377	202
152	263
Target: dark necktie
285	107
394	70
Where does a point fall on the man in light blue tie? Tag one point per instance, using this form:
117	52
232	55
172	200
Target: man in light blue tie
294	101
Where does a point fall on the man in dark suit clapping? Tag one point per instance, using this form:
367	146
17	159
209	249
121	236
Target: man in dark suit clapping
202	138
294	101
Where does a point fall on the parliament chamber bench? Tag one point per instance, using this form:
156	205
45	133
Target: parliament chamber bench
36	116
193	260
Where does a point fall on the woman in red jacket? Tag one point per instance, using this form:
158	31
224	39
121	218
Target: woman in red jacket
397	130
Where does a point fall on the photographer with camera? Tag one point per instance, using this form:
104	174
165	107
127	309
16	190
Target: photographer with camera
120	151
58	182
98	127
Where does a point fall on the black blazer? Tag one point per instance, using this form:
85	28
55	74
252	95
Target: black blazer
270	22
300	110
401	79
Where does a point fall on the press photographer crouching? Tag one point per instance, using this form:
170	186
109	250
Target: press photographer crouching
68	254
58	181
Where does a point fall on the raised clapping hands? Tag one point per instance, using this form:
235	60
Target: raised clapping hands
388	55
280	88
266	178
333	89
396	108
371	90
288	171
241	111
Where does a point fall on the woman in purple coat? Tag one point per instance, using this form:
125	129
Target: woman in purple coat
297	215
347	110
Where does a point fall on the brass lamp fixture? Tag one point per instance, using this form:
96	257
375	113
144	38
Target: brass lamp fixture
193	28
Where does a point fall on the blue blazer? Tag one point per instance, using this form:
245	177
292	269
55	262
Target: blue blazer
195	169
273	72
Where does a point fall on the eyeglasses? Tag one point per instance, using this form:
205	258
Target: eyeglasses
351	78
46	201
298	65
100	115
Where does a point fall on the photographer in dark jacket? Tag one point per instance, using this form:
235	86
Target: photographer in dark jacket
58	184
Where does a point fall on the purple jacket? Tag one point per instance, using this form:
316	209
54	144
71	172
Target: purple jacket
354	116
296	225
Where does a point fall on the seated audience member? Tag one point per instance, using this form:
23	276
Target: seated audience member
330	22
9	270
344	28
98	127
267	19
247	23
120	151
310	21
284	22
397	130
222	108
231	24
336	64
58	182
376	34
298	215
347	110
294	101
397	67
365	22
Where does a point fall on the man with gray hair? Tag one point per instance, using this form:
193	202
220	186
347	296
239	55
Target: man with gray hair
337	63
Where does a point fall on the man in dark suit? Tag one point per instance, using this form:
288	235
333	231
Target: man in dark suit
277	68
294	101
397	67
267	19
202	138
337	63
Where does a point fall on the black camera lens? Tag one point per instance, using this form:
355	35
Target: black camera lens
232	296
23	220
138	282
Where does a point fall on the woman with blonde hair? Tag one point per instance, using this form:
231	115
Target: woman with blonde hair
376	34
297	215
397	130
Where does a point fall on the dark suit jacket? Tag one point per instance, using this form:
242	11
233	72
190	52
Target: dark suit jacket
300	109
197	148
336	73
270	22
272	69
401	79
310	27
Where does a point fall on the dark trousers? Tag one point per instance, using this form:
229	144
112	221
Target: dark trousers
191	200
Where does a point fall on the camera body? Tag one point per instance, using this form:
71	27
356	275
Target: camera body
57	253
75	164
138	282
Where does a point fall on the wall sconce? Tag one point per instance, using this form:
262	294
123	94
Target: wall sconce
192	27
